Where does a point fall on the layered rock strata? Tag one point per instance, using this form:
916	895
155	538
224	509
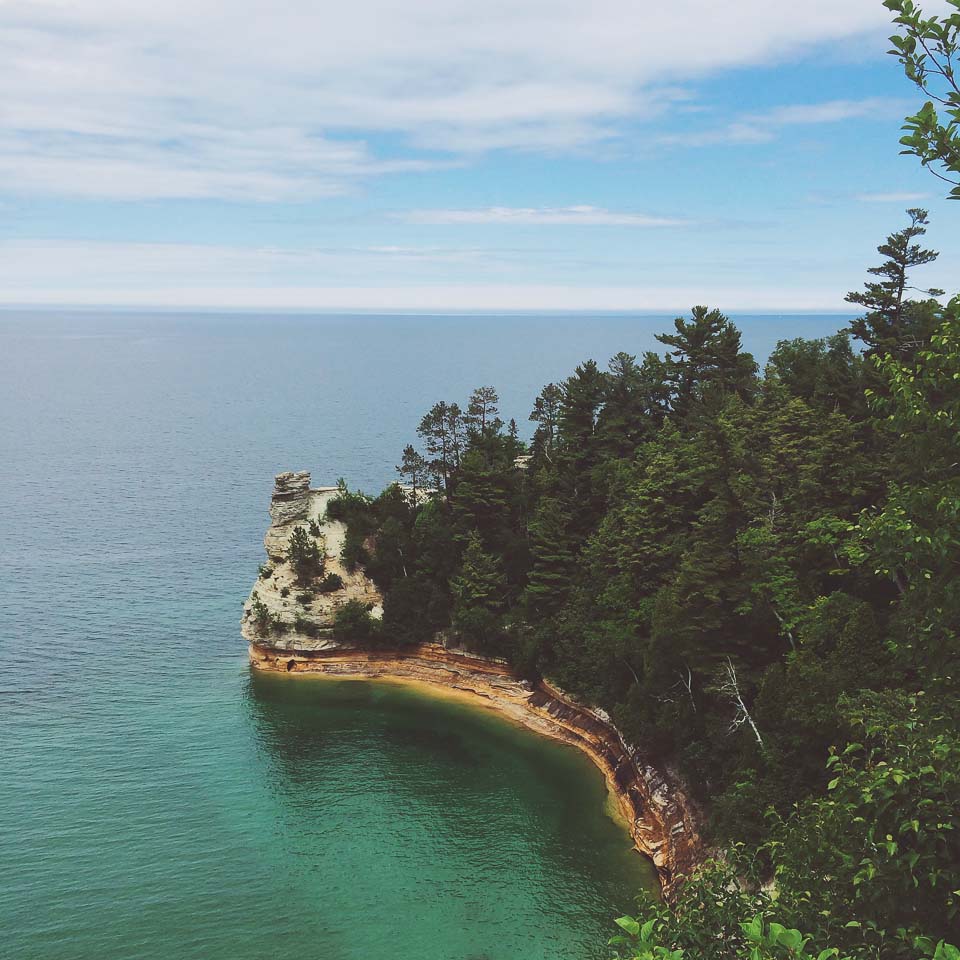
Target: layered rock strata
662	822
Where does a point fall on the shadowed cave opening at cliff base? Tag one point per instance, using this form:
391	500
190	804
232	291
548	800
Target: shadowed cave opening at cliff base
291	629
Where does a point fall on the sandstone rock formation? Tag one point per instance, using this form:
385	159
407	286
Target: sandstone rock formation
289	505
293	615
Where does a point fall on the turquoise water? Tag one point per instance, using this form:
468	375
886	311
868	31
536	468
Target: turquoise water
159	802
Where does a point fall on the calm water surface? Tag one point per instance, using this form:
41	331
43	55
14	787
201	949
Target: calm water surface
159	802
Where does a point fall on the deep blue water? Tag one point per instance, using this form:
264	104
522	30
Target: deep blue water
158	802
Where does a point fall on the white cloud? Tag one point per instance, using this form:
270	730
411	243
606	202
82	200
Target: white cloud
543	216
159	275
763	127
79	264
190	161
893	197
269	100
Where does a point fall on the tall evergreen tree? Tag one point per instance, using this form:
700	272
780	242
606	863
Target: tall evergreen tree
479	596
636	399
706	360
546	414
553	550
893	322
482	410
413	468
442	432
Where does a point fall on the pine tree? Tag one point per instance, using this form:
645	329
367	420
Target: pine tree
546	414
553	550
479	597
635	402
484	494
482	410
480	583
894	323
442	431
825	373
413	467
706	360
304	555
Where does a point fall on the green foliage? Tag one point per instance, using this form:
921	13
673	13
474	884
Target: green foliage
887	831
706	362
825	374
413	611
261	613
348	506
758	939
331	583
354	552
706	919
355	510
414	469
264	571
553	549
546	414
867	867
353	625
443	431
479	593
927	47
306	627
745	570
913	538
304	555
895	324
481	417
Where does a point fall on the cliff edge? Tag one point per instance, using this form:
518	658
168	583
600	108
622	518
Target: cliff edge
289	627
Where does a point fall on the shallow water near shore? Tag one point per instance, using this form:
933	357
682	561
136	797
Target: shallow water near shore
158	801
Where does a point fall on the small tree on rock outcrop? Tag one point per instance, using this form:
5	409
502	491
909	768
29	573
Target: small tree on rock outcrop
304	555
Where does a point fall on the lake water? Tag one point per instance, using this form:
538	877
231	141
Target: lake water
159	802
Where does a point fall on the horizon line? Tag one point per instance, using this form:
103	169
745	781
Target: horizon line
235	310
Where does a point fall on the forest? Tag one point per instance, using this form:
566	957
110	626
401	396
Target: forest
755	571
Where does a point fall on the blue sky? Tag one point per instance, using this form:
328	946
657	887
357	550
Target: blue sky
444	154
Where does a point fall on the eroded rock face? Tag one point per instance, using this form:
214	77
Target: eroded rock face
664	825
282	611
289	505
291	492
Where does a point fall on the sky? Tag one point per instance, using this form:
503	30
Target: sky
436	155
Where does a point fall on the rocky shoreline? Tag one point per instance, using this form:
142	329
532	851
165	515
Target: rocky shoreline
290	629
662	822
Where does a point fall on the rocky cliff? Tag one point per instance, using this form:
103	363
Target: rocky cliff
662	822
283	611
